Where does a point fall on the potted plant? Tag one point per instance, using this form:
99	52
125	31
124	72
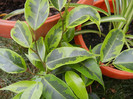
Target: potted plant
64	70
122	71
6	25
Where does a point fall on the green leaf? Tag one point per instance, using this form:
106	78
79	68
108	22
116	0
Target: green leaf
66	55
112	18
58	4
125	61
21	34
76	84
19	86
129	36
90	69
18	96
36	12
112	45
97	48
53	37
93	96
13	13
11	62
54	88
37	47
69	35
80	15
33	92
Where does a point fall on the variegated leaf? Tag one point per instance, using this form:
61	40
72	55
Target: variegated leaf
80	15
97	48
76	84
125	61
21	34
33	92
39	49
112	45
66	55
53	37
36	12
90	69
19	86
54	88
58	4
11	62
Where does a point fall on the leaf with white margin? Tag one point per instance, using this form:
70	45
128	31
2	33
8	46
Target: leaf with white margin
66	55
21	34
11	62
124	61
33	92
36	12
58	4
112	45
54	88
82	14
53	37
19	86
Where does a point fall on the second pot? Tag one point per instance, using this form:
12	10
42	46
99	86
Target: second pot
106	70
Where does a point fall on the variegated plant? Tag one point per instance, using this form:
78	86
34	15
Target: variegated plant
111	50
52	55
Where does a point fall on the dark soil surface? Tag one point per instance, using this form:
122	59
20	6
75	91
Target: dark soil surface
7	6
92	39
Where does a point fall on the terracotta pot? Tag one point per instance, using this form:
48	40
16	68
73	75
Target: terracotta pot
6	26
106	70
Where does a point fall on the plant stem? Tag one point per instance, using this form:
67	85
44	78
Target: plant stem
127	44
36	49
39	56
88	31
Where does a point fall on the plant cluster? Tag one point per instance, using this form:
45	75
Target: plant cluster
64	70
112	51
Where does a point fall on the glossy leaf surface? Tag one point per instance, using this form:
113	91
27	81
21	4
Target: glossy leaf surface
53	37
90	69
11	62
112	45
19	86
33	92
125	61
21	34
66	55
58	4
76	84
97	48
36	12
54	88
80	15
